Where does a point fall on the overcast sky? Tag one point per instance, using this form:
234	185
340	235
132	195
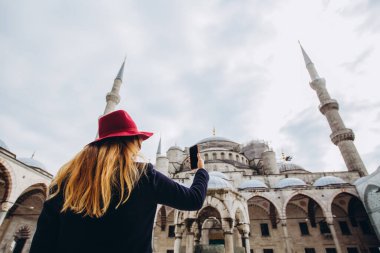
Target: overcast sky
191	65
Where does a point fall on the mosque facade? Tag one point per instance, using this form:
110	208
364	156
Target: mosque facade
257	204
23	190
254	203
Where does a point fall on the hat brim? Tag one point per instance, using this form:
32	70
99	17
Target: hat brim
143	135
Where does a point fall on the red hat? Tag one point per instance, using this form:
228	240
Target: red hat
119	123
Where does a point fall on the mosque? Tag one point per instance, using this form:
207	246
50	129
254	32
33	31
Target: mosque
254	203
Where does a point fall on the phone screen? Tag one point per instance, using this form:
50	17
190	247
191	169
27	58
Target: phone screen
194	156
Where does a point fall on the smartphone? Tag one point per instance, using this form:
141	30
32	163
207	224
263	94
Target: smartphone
194	157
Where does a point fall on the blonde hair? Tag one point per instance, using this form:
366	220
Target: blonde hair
90	178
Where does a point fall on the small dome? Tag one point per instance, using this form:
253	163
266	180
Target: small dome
286	166
3	145
32	163
360	180
175	147
218	174
214	138
218	183
253	183
288	182
329	180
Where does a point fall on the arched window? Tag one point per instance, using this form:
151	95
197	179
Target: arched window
222	156
237	158
230	156
214	156
206	157
163	218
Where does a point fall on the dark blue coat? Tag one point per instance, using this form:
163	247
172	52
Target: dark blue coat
126	229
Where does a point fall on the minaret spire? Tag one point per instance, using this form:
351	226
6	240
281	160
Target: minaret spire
121	71
159	148
309	64
113	97
341	136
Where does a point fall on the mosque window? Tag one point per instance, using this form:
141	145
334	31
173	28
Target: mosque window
169	251
344	228
352	250
214	156
206	156
330	250
222	156
230	156
268	250
309	250
324	227
304	229
264	229
171	232
251	251
237	158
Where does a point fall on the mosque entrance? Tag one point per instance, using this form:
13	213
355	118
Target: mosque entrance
216	241
211	236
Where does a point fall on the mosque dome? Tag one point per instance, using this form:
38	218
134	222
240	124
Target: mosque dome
329	180
253	183
218	174
175	147
213	139
288	167
218	183
215	142
290	182
3	145
32	163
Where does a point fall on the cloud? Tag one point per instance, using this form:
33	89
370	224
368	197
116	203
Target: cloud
358	62
308	141
190	66
367	11
372	159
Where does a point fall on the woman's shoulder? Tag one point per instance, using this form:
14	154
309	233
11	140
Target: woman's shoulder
145	167
147	170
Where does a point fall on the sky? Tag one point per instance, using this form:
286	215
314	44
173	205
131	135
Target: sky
191	66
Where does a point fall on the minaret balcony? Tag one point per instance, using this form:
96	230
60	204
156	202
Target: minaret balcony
330	104
318	83
113	97
342	135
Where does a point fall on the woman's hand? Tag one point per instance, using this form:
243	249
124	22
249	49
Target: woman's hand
201	163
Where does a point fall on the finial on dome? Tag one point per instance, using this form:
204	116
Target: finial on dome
213	131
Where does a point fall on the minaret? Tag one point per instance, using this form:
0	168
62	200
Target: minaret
113	97
159	148
341	136
162	161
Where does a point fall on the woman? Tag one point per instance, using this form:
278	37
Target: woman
104	201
